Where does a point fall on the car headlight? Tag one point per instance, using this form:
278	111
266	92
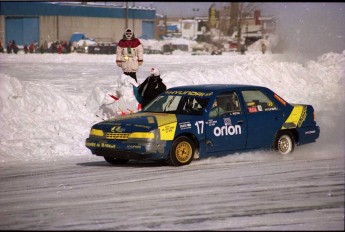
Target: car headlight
96	132
142	135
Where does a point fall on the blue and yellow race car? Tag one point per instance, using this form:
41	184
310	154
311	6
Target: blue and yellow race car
199	121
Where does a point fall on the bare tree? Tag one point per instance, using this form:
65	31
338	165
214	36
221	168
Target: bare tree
233	17
244	9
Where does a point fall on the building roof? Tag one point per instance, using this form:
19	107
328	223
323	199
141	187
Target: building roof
63	9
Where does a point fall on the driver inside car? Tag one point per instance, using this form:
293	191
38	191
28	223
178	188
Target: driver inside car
216	110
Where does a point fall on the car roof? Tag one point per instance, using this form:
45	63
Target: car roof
214	87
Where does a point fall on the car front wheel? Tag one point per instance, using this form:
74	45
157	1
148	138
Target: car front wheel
113	160
182	152
284	143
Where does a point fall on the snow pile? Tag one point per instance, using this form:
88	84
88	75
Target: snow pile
48	115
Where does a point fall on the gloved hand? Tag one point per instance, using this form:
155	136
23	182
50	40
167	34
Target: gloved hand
119	64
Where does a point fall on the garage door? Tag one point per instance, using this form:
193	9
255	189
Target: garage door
22	30
148	30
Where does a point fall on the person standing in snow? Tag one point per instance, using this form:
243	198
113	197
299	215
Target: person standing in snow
151	87
263	48
129	54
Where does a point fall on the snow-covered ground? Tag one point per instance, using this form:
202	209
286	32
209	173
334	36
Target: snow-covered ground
50	181
48	102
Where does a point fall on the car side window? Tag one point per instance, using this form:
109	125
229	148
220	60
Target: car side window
257	101
192	105
225	104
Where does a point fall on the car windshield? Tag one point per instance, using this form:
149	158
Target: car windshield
176	104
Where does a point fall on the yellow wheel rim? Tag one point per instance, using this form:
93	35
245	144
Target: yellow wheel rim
183	152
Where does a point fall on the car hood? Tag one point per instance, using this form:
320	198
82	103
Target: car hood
139	122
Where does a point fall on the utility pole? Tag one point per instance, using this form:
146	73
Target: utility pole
133	28
126	15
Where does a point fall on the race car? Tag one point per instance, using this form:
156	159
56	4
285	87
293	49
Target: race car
199	121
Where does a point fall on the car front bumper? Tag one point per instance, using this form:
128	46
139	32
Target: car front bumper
138	150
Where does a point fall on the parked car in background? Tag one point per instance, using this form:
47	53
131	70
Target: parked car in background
194	122
102	48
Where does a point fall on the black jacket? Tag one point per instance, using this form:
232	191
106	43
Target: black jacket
151	88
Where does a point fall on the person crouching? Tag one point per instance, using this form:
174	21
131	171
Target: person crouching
151	87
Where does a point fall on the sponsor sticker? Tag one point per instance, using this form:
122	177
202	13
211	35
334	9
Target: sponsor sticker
117	129
227	130
133	146
252	109
100	145
211	122
189	93
185	125
271	109
227	122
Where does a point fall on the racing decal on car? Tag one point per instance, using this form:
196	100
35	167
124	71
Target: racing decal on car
296	118
227	122
117	129
227	130
185	125
167	131
200	126
252	109
211	122
133	146
271	109
100	145
167	126
90	144
189	93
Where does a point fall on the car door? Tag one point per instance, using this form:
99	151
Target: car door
227	130
264	118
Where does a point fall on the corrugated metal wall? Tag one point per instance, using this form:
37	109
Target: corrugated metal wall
22	30
39	21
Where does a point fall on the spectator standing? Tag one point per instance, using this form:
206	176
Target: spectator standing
42	49
151	87
26	49
9	47
243	49
53	47
59	48
14	47
69	47
1	47
45	46
129	54
32	48
263	48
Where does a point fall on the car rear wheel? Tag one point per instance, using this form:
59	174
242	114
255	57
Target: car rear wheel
285	142
182	152
113	160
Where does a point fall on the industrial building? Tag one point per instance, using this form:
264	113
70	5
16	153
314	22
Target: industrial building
36	22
